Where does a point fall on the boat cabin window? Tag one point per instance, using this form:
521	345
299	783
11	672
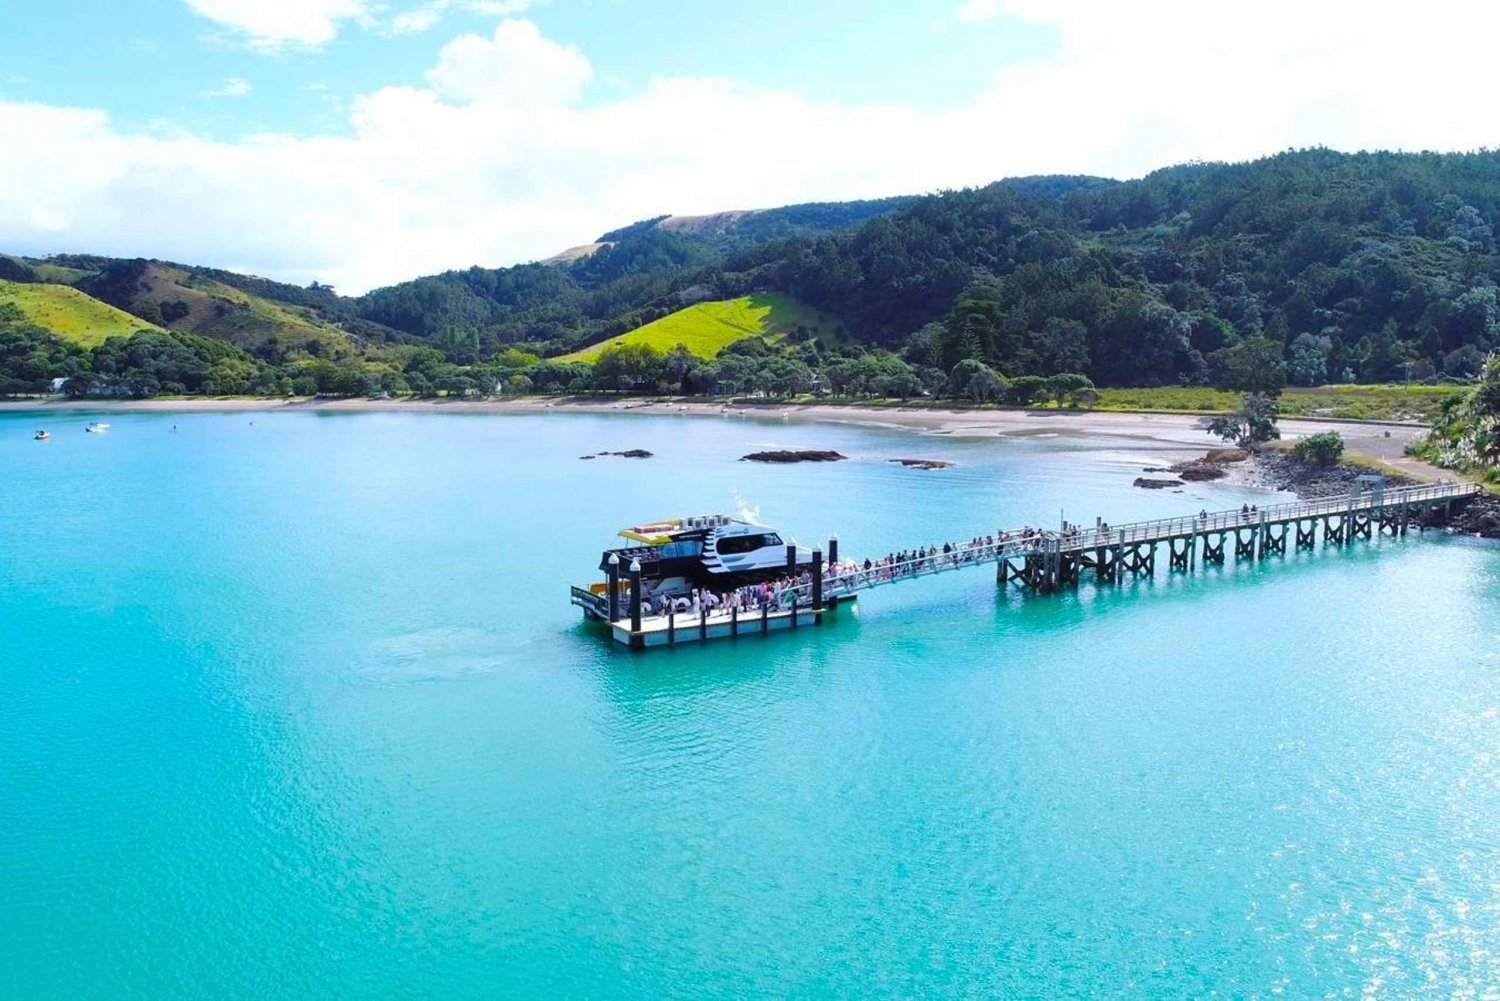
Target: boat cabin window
683	547
733	544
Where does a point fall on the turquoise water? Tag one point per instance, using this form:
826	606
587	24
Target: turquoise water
298	708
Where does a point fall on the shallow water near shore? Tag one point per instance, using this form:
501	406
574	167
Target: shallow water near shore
294	705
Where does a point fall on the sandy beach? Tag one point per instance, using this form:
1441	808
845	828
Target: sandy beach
1383	441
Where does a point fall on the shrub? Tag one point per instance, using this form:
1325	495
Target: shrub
1324	448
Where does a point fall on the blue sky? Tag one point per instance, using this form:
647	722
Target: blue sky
157	63
363	142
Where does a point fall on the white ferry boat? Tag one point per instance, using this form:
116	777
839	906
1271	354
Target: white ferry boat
678	555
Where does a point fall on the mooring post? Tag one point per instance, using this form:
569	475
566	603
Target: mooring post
833	551
636	639
671	627
612	576
791	559
817	587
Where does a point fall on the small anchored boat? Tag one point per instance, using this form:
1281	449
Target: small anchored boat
41	436
97	427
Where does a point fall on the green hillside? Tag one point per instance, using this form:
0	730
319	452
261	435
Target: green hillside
49	272
71	314
267	318
709	327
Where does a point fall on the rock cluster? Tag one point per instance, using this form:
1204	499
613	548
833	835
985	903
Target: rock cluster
1211	466
1309	481
1481	516
793	455
924	463
629	453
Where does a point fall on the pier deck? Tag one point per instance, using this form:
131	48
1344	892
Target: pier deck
1045	561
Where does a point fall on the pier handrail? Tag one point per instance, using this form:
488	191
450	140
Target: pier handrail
1036	540
1235	518
840	581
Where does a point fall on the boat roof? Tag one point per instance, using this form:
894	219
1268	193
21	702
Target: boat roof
659	533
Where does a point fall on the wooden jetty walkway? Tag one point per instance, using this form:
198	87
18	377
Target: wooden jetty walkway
1045	561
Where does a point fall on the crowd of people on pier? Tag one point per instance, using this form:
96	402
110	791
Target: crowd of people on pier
779	593
771	595
842	576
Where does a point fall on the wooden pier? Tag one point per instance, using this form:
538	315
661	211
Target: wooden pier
1047	561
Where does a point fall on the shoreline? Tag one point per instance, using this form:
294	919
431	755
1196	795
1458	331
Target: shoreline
1379	441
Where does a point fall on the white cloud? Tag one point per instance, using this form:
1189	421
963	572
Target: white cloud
274	25
514	66
977	10
494	158
235	86
424	17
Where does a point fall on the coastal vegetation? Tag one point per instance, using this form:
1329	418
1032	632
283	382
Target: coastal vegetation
1346	402
1177	291
1251	423
1322	449
1466	435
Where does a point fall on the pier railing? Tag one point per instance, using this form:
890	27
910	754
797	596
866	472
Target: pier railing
849	577
845	580
1224	521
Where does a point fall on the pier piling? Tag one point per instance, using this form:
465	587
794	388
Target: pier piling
612	578
817	587
635	604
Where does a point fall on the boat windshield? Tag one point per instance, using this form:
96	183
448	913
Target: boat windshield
733	544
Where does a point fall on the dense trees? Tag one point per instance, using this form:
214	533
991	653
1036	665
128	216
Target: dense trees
1308	266
1303	268
30	357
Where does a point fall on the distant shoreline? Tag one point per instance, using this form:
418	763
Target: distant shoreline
1381	441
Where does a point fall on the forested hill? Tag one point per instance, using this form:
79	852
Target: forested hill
1343	267
1369	267
625	279
1319	265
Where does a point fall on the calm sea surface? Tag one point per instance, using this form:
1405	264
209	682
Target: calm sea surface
294	705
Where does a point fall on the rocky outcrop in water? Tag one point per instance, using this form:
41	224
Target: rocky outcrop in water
1211	466
1146	483
1480	516
794	455
924	463
1199	472
629	453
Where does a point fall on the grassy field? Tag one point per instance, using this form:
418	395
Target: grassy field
1348	402
56	272
709	327
71	314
